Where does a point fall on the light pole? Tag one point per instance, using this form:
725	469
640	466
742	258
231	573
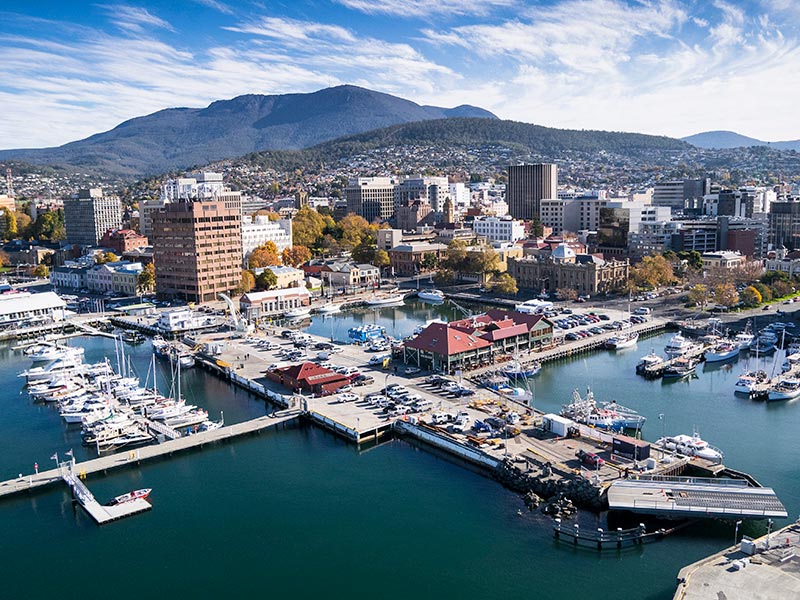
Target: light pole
663	425
736	533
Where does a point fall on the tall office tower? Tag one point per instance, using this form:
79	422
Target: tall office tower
89	214
784	224
677	194
370	197
197	249
527	186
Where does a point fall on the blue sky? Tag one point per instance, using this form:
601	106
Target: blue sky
675	67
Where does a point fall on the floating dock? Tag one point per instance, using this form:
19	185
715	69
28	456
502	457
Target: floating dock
100	513
695	497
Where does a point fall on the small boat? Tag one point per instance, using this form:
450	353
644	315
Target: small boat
384	300
329	308
723	350
785	389
792	360
681	367
134	495
46	353
691	445
133	337
748	380
743	340
160	346
625	340
647	361
516	370
297	313
765	343
431	295
677	346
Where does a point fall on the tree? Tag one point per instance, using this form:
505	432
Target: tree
725	294
41	271
505	284
444	276
50	226
781	288
11	223
693	259
266	280
266	255
146	281
363	253
24	229
566	294
750	296
653	271
764	290
381	258
5	260
247	283
429	261
307	226
699	295
106	257
296	255
356	231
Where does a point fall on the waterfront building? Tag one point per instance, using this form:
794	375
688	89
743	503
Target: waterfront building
349	275
407	259
100	278
619	219
123	240
477	340
371	197
197	249
527	186
260	229
182	319
499	229
286	276
19	308
309	377
585	273
89	214
723	259
125	279
255	305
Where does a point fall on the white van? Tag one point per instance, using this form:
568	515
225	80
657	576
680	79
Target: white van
440	418
423	405
642	310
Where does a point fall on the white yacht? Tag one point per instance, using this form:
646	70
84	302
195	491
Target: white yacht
382	300
691	445
724	350
47	353
329	308
677	346
296	313
765	343
647	361
431	295
623	340
62	366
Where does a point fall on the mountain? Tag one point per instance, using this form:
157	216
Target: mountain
177	138
731	139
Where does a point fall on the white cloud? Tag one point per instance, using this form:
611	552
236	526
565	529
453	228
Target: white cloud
425	8
216	5
134	19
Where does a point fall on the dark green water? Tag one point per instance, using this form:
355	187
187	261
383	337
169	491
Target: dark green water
299	512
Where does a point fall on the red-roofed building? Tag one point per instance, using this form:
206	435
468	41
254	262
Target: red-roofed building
123	240
309	377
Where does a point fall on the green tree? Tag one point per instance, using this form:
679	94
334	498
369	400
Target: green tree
50	226
307	227
429	261
505	284
725	294
266	280
146	282
764	290
693	259
296	255
699	295
781	288
266	255
381	258
41	271
363	253
444	276
751	296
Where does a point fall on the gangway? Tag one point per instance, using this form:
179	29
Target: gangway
101	514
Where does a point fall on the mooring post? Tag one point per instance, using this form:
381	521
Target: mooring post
599	538
619	537
577	534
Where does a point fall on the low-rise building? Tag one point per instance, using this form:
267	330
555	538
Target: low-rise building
350	275
723	259
309	377
69	277
125	279
183	319
123	240
287	276
20	308
499	229
408	259
256	305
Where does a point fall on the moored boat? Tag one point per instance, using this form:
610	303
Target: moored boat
296	313
677	346
679	368
723	350
134	495
382	300
431	295
624	340
329	308
748	381
647	361
785	389
516	370
691	445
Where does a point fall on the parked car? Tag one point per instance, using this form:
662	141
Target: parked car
590	459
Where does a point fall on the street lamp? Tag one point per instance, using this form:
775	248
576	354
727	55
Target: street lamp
736	533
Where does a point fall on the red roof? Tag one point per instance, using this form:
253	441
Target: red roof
311	374
517	317
444	340
506	332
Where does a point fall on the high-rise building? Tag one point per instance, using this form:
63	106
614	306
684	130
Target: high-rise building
89	214
261	229
371	197
527	186
499	229
432	189
784	224
197	249
676	194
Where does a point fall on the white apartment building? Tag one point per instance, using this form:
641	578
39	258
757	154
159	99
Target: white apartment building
432	189
260	230
560	214
499	229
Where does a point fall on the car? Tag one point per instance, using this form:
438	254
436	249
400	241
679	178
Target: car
590	459
451	386
346	388
362	380
571	337
766	307
347	397
465	392
412	370
604	317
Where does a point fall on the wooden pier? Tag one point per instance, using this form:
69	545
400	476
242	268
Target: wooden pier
136	457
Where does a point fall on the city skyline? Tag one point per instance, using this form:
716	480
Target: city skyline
668	67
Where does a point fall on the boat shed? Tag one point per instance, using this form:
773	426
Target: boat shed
19	307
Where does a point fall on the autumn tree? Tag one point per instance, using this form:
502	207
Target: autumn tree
146	281
381	258
566	294
247	283
106	257
764	290
41	271
653	271
699	295
11	223
750	296
266	280
725	294
505	284
356	231
781	288
444	276
265	255
308	226
5	260
296	255
50	226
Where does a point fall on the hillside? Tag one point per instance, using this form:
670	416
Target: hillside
731	139
177	138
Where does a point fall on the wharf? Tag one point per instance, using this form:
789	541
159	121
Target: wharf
100	513
135	457
760	569
656	370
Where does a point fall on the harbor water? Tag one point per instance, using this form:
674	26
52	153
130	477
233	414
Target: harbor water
298	511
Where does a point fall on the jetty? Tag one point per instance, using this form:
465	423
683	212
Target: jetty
102	514
656	370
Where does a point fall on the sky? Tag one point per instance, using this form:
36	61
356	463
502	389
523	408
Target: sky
69	69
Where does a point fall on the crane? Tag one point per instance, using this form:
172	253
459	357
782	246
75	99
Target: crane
240	324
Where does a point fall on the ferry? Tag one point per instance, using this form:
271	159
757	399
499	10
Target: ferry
134	495
691	445
677	346
297	313
368	332
618	342
431	295
384	300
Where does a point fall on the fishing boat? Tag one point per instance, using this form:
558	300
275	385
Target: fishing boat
623	340
691	445
133	337
627	417
384	300
765	343
679	368
609	415
792	360
650	360
134	495
297	313
329	308
723	350
749	380
677	346
516	370
745	338
785	389
431	295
